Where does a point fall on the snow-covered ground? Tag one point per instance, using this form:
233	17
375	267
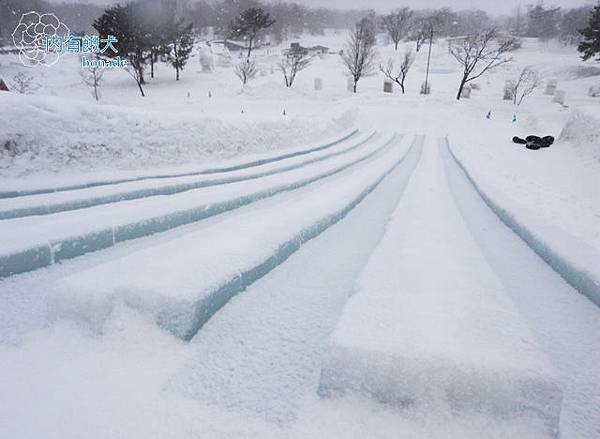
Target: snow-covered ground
314	284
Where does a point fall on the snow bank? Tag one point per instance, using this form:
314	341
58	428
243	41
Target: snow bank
430	325
582	132
180	288
36	241
23	188
572	258
49	134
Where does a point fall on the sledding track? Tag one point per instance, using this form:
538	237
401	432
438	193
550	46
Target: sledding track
296	277
33	242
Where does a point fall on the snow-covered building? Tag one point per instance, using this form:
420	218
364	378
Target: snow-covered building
310	51
229	45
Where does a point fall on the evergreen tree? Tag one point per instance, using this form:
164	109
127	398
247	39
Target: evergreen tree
134	43
180	47
249	24
543	23
590	46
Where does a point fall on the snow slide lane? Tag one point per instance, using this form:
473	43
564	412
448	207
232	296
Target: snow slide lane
38	241
576	261
233	165
430	324
566	324
47	203
182	283
261	354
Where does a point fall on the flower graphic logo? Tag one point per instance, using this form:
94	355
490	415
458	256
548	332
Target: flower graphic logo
31	37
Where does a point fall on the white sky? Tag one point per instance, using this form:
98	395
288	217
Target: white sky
492	6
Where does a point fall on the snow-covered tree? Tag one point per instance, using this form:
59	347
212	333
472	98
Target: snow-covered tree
92	77
359	53
396	23
181	43
246	70
397	72
24	83
571	23
543	23
292	63
249	24
590	46
126	23
529	79
478	54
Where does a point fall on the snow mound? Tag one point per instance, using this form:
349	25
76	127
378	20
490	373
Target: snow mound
49	134
582	131
422	331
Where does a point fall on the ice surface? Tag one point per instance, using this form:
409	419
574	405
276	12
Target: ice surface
575	260
277	330
87	230
180	287
430	323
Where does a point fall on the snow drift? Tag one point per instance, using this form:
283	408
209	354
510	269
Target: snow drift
53	135
582	132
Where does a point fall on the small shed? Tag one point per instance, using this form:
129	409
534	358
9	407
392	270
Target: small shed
318	50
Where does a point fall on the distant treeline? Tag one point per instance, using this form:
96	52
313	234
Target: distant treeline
293	19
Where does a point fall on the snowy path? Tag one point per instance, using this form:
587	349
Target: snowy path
255	366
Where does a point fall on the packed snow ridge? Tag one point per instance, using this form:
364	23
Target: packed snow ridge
422	330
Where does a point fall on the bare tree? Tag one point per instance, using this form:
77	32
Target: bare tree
92	77
395	24
24	83
419	32
398	76
245	70
359	54
479	53
529	79
292	63
421	37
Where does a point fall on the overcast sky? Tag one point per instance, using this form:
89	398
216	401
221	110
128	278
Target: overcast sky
492	6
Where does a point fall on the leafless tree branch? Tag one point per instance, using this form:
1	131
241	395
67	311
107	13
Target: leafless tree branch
529	80
398	76
359	54
395	24
478	54
291	64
